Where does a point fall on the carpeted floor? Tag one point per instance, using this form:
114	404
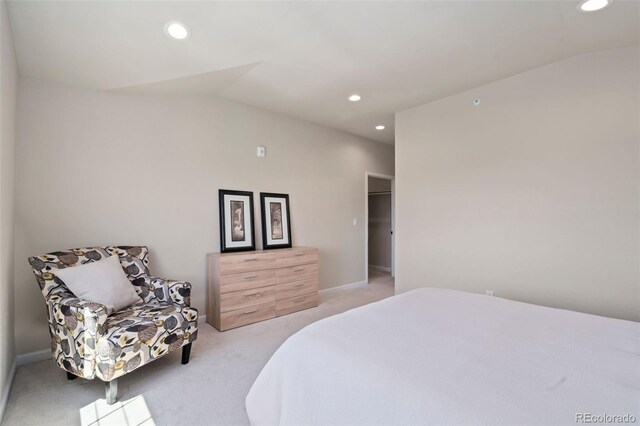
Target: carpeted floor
210	390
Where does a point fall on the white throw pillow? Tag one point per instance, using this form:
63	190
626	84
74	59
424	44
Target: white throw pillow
102	282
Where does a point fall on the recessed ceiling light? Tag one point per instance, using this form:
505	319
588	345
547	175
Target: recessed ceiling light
593	5
176	30
379	127
354	98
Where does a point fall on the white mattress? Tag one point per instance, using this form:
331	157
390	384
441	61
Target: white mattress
434	356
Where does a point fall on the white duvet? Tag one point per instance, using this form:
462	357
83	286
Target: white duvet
434	356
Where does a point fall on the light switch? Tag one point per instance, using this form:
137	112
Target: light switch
261	151
355	221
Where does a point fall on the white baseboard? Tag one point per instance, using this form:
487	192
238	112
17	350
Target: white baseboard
32	357
381	268
37	356
343	287
4	398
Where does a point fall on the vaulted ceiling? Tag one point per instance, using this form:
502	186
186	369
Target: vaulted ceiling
304	59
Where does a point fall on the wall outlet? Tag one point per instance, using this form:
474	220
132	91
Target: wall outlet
488	292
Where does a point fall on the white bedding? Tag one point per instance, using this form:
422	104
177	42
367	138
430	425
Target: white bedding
434	356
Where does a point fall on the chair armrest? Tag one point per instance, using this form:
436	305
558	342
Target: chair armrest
173	291
85	324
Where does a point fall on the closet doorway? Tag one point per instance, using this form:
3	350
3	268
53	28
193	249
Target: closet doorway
379	228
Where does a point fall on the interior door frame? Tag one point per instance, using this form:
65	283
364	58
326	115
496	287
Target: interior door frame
367	175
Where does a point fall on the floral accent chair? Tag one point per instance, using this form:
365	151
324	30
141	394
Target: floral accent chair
87	343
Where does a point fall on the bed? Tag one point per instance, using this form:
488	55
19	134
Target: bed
435	356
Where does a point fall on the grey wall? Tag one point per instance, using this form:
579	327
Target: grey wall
379	223
8	87
378	184
380	230
534	194
97	168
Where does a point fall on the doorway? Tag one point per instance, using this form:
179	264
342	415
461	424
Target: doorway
379	229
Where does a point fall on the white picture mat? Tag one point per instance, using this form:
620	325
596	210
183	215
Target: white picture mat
228	223
285	220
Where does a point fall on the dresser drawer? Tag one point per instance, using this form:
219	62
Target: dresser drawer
249	315
296	273
248	287
246	263
297	303
296	288
247	280
296	257
246	298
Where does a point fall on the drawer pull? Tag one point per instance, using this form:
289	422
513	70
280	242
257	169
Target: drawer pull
298	285
250	277
298	300
251	259
298	270
299	254
250	312
253	294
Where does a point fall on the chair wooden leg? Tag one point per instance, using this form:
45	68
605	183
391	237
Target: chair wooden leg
71	376
186	353
111	390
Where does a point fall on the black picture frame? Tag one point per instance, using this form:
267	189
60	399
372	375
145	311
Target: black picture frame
269	232
232	241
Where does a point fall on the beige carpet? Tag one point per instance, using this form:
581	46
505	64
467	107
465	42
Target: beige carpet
210	390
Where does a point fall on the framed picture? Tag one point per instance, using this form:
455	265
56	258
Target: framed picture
276	220
236	221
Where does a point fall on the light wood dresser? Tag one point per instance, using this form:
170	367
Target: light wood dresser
248	287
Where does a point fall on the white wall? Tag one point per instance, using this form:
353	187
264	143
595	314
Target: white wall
98	168
533	194
8	87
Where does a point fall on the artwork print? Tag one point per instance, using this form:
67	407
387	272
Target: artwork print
236	221
237	212
276	220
